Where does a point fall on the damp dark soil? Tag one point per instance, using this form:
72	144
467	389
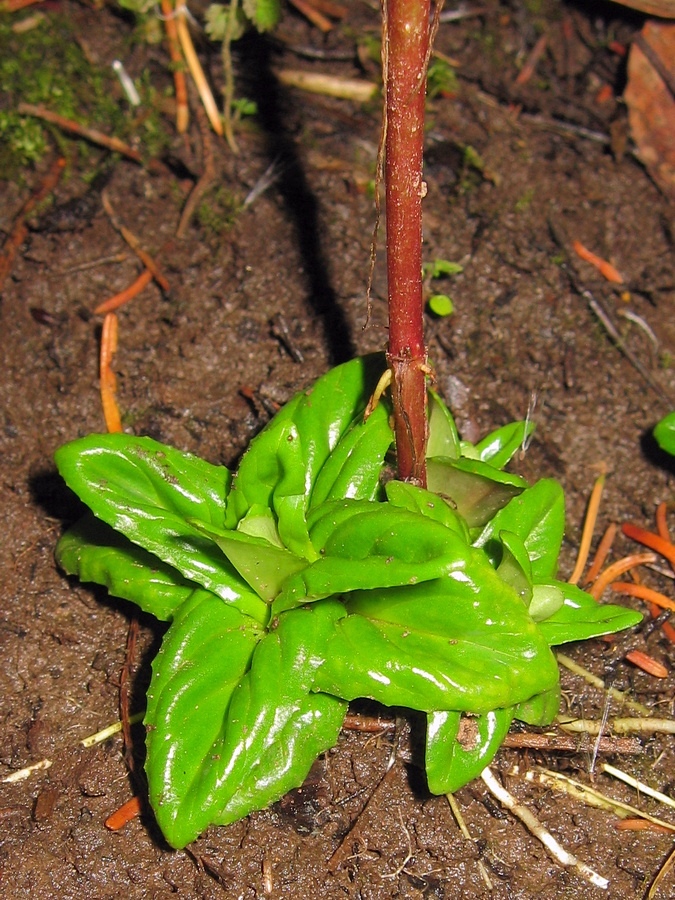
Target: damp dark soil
264	297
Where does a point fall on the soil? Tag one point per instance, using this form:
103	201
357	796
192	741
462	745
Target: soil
262	300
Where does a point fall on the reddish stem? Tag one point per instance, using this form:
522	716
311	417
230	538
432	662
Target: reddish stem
406	46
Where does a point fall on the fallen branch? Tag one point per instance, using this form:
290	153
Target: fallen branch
90	134
135	244
534	826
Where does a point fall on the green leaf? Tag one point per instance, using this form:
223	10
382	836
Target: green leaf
546	601
582	617
264	14
476	488
541	709
499	446
440	305
232	723
537	517
443	438
463	642
664	433
354	468
515	568
149	492
264	566
459	747
377	546
280	467
415	499
95	552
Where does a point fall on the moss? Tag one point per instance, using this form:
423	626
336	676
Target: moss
47	66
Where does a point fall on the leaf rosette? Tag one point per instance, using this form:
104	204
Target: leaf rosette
308	579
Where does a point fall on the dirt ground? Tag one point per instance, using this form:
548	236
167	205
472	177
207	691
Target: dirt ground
262	300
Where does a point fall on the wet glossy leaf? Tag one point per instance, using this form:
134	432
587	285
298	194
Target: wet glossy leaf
515	567
537	517
95	552
464	642
499	446
582	617
416	499
664	433
280	467
232	723
149	492
476	488
443	438
459	747
540	709
354	468
372	548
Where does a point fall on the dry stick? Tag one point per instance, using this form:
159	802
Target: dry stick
639	786
315	17
589	795
135	244
615	694
90	134
535	827
459	818
664	870
205	179
231	23
126	295
589	528
196	69
519	740
328	85
177	63
601	553
111	411
624	725
531	64
19	230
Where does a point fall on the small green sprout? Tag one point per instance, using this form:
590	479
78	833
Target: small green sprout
440	305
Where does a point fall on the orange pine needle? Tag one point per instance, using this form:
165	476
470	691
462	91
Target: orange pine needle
180	86
124	814
536	53
618	568
640	825
126	295
644	593
111	411
589	528
669	632
604	547
605	268
651	540
647	663
662	521
315	17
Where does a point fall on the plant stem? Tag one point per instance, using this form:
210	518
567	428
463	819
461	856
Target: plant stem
405	51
